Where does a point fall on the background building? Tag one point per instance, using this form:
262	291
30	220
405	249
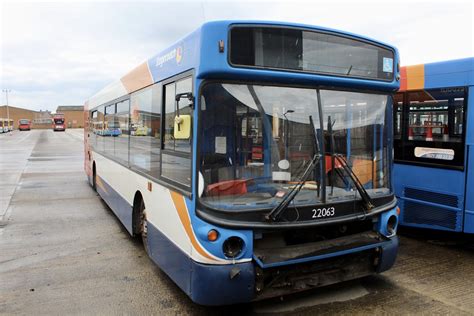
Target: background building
39	119
73	115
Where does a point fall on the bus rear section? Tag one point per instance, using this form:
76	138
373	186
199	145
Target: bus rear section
433	172
253	172
59	123
6	125
24	125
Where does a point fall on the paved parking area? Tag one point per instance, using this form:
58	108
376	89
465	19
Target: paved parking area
62	251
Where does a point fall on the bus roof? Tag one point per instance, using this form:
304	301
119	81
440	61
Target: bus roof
451	73
199	51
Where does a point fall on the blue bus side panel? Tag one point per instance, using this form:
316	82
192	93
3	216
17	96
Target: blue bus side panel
430	197
180	57
175	263
223	284
456	73
117	203
204	284
469	216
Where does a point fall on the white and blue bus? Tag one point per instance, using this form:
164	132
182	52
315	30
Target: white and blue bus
254	158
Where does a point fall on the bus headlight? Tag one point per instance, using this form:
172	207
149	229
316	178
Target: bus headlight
232	247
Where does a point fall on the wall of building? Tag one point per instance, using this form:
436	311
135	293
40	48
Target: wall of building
42	118
74	119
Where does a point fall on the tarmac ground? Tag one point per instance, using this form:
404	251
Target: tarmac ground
62	251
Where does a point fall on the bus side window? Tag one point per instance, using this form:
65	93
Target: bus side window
145	130
433	127
397	105
176	155
92	128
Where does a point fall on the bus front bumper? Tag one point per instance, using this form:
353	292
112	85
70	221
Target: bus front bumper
249	281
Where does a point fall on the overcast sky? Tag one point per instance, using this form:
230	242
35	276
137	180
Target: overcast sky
61	53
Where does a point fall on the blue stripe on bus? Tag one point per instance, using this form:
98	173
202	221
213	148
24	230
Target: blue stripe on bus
453	73
172	260
121	208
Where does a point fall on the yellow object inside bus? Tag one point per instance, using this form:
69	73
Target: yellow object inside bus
182	127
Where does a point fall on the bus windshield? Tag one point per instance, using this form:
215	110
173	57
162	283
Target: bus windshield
24	122
257	141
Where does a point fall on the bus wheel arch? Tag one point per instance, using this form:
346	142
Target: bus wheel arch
139	220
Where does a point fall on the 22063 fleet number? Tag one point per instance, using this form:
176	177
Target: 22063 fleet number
324	212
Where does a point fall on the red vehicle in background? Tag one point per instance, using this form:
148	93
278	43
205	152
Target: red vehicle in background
58	122
24	125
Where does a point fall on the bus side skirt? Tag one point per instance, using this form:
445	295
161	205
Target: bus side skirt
121	208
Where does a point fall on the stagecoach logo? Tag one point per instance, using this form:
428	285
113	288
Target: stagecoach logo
176	54
179	54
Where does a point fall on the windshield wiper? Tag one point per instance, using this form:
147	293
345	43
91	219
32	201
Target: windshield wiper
368	202
276	212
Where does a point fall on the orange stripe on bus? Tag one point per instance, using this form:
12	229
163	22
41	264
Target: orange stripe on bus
98	181
180	206
415	77
403	79
138	78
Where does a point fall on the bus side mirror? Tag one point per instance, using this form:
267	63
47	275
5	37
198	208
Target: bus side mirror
182	127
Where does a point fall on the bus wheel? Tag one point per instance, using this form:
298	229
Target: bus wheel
143	225
94	179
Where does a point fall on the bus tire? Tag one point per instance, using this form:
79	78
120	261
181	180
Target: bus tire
139	219
143	225
94	178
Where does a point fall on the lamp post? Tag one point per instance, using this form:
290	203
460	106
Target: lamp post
8	111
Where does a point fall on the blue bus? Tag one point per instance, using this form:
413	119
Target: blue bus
254	159
434	153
